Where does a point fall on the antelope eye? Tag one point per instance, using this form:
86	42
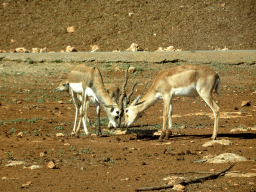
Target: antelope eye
111	110
126	111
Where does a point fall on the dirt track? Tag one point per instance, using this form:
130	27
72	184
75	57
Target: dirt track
198	57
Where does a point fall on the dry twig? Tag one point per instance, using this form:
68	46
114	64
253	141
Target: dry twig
184	182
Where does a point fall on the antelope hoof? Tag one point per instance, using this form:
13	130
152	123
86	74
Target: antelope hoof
162	136
168	134
213	137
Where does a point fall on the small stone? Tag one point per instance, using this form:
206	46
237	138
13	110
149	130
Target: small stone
35	50
70	49
60	135
126	179
42	154
71	29
246	103
94	48
20	134
60	102
5	4
170	48
178	187
27	184
51	165
21	50
134	47
131	69
44	50
160	49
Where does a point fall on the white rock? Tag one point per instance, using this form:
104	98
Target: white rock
226	157
60	135
222	142
245	103
21	50
71	29
70	49
133	47
230	174
119	132
238	129
14	163
170	48
178	187
131	69
51	165
35	50
33	167
94	48
44	50
160	49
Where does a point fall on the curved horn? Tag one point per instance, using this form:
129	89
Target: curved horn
121	99
127	99
136	100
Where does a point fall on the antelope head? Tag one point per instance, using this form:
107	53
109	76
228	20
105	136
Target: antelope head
131	113
115	114
63	86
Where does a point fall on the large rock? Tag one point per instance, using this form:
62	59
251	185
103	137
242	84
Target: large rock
221	142
225	158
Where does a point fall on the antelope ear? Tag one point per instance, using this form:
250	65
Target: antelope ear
136	101
109	106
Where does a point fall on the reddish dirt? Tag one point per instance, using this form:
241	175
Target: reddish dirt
115	25
29	104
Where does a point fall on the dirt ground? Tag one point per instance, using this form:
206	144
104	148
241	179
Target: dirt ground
30	104
116	24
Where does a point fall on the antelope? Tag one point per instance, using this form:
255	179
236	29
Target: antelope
186	80
87	81
113	92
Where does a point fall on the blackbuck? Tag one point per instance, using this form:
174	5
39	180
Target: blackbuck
185	80
87	82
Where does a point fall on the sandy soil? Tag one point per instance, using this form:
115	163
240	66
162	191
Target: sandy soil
30	104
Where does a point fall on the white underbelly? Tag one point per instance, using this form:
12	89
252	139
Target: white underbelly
189	91
76	87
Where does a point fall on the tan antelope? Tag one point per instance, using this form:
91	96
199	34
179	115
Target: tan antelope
185	80
87	81
113	91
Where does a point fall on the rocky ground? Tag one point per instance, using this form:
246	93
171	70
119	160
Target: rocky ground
33	113
37	151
